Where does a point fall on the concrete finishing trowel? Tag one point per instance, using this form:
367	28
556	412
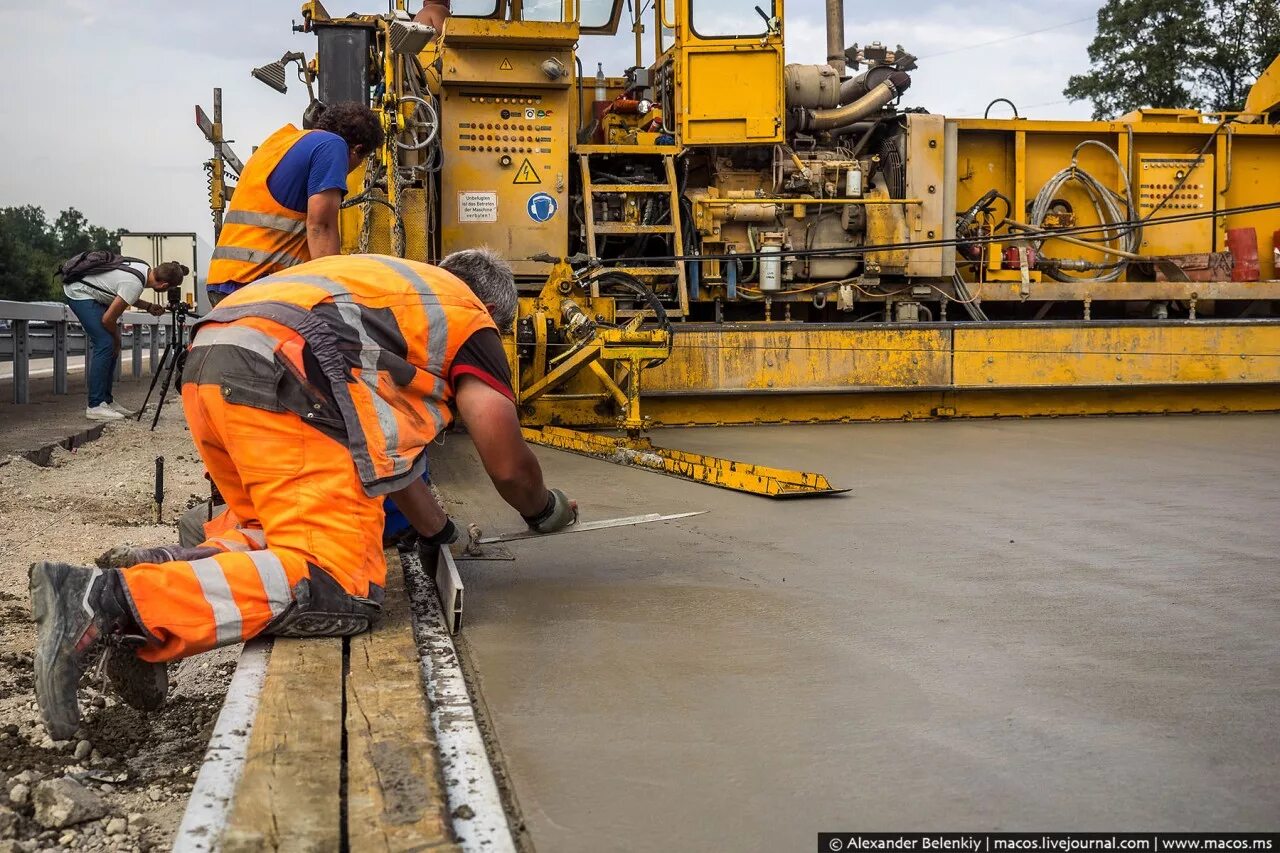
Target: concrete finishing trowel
477	539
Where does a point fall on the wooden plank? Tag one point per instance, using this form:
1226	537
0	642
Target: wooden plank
395	797
289	796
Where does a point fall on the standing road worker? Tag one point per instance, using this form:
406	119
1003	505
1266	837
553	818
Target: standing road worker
99	287
310	396
285	208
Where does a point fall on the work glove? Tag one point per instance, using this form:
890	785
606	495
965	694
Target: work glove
447	535
558	514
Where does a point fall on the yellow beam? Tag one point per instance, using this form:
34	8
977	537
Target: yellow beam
700	468
562	372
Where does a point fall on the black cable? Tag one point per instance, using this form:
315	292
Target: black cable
1190	216
1187	174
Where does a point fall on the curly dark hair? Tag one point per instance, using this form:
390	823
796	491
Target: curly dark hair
354	122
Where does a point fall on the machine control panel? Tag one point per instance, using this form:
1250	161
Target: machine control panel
505	171
1173	184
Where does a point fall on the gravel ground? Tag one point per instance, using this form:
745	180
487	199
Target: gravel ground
123	781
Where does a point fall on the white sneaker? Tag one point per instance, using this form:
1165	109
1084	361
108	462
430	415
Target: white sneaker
122	410
103	412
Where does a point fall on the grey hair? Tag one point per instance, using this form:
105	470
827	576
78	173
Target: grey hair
490	278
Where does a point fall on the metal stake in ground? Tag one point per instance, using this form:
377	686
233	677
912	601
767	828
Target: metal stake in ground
159	487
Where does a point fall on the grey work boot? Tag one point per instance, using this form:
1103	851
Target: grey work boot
140	684
74	607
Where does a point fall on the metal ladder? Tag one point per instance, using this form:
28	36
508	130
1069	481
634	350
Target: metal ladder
672	230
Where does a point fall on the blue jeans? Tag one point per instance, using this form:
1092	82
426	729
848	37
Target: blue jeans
102	370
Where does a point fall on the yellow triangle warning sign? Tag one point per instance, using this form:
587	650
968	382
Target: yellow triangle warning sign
505	66
526	174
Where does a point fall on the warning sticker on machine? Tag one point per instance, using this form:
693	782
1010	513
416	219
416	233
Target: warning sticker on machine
477	207
526	174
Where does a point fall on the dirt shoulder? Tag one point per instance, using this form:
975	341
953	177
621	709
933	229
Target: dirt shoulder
132	772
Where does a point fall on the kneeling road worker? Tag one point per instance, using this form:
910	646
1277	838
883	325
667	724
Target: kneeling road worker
310	396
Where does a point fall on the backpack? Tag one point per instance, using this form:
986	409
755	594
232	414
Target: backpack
79	266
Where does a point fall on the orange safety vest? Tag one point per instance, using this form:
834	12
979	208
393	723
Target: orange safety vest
385	332
259	235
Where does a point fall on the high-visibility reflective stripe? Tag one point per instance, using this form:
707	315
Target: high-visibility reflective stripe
226	613
229	544
349	311
437	329
274	580
254	256
265	220
258	537
245	337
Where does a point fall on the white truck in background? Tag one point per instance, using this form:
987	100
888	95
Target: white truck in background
156	247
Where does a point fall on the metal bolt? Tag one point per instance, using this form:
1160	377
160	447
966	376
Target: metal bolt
933	143
932	189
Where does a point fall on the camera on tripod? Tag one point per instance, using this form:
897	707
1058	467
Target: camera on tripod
175	352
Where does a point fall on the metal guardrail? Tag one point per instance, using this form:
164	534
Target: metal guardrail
61	321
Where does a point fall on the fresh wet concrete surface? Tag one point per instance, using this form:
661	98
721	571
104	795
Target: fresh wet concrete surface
1013	625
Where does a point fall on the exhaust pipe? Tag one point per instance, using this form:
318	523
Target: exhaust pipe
835	35
881	94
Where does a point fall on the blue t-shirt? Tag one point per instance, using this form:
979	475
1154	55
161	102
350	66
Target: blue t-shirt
316	162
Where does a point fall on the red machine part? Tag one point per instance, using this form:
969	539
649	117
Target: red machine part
1243	245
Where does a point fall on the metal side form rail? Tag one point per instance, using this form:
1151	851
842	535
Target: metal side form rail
62	321
698	467
330	743
215	787
469	777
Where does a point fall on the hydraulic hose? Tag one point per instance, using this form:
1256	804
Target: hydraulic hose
880	94
1107	205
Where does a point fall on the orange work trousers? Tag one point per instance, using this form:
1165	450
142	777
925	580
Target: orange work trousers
298	503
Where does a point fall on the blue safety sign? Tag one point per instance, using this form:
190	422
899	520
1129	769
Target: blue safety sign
542	207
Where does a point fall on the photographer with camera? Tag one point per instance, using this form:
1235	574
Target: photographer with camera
99	286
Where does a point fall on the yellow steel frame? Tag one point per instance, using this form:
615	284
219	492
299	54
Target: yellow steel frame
716	374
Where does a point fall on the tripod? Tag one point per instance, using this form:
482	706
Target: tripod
175	355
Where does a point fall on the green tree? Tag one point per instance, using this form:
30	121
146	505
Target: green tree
30	249
1188	54
1144	55
1245	38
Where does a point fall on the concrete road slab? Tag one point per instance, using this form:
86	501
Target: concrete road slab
1017	625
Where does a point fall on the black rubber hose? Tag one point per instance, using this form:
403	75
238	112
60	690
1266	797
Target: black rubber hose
634	284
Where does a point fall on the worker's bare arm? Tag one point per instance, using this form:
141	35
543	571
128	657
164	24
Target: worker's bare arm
322	223
111	319
494	427
112	315
420	508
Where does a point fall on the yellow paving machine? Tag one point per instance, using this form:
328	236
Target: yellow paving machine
705	234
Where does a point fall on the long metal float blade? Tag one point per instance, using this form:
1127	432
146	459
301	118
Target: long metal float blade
696	467
584	526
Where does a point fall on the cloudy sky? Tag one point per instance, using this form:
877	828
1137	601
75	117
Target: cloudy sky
98	98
